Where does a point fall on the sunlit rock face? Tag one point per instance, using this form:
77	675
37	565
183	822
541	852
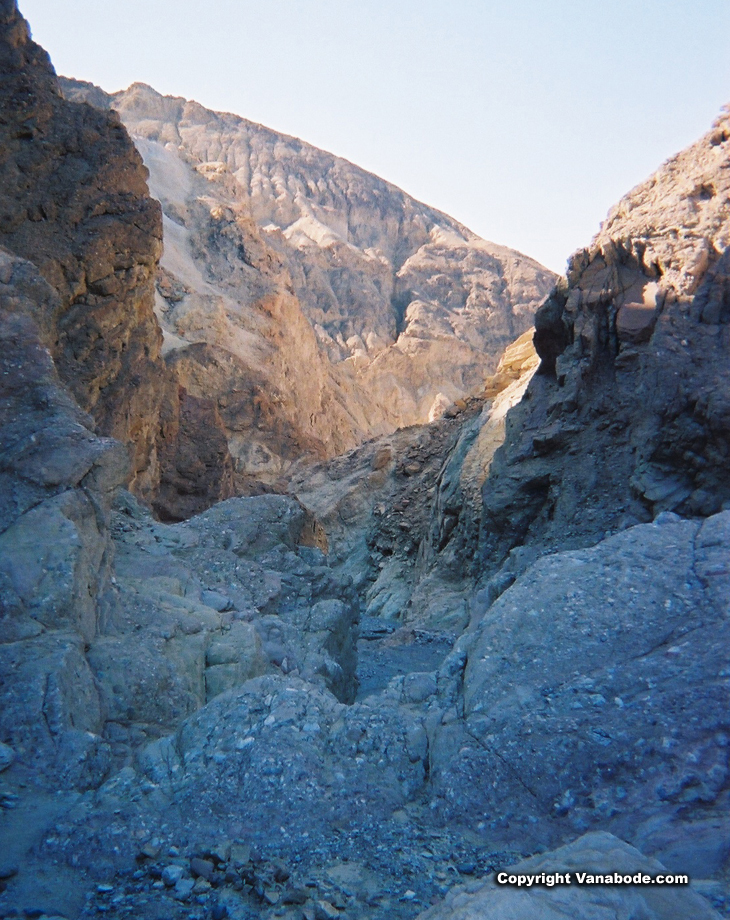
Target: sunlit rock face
319	304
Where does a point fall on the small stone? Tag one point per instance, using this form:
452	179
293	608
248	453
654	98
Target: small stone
271	896
171	875
7	756
202	867
105	889
221	852
408	895
295	894
149	851
219	912
240	853
281	871
326	911
466	868
202	885
216	600
183	889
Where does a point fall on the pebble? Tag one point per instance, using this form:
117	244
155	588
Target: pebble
325	911
149	851
171	875
7	756
202	867
183	889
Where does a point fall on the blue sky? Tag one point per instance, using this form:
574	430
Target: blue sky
525	120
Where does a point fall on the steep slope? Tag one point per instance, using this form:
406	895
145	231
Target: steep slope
75	202
380	310
630	414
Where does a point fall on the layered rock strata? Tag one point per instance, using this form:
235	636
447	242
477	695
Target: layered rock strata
317	303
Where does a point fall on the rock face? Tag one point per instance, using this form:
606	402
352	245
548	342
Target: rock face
593	854
58	478
402	513
319	304
74	201
629	415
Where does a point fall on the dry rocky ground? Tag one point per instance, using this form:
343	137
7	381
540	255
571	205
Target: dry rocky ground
497	640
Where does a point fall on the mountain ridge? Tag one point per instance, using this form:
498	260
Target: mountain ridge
410	310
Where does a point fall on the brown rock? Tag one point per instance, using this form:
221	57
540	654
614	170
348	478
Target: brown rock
74	200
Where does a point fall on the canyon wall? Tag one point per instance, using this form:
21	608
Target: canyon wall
318	304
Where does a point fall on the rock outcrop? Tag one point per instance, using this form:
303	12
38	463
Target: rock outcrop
402	513
58	480
592	855
317	303
74	202
629	416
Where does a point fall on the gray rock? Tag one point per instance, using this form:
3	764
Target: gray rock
216	600
596	853
171	875
183	889
7	756
591	694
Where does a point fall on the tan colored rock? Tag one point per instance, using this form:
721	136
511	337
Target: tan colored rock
74	201
346	308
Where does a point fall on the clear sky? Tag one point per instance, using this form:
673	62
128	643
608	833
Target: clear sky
524	119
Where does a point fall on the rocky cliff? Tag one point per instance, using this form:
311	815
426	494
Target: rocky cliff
75	203
362	712
317	303
629	414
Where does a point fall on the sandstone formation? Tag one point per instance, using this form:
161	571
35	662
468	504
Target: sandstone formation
317	303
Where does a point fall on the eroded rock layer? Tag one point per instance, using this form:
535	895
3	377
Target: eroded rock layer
317	303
